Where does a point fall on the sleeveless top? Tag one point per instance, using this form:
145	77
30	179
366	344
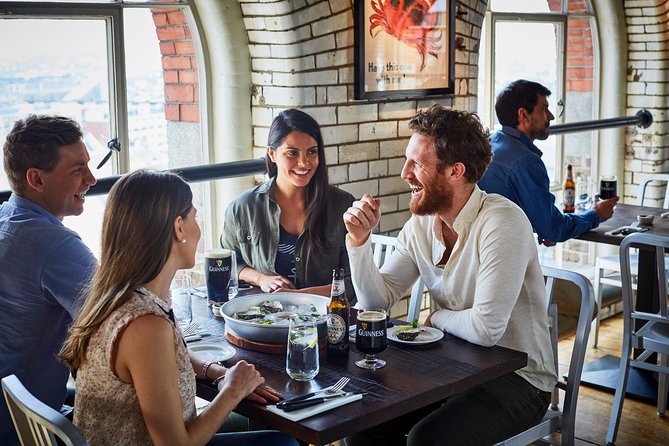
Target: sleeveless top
106	409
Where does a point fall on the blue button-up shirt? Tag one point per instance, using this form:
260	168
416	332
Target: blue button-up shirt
44	267
517	172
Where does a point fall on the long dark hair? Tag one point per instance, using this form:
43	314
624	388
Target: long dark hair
293	120
136	242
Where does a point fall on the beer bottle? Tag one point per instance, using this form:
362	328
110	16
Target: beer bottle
569	190
338	313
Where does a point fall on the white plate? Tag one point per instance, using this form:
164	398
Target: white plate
428	336
213	352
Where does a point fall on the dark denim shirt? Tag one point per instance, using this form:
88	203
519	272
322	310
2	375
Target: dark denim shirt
44	267
517	173
252	230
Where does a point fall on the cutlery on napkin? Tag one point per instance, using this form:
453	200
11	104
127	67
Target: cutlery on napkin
307	412
295	405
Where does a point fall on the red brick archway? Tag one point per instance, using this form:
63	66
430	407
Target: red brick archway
182	89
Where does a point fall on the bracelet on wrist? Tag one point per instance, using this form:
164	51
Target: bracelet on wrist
205	368
217	380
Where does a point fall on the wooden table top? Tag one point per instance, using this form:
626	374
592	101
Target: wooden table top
414	377
625	215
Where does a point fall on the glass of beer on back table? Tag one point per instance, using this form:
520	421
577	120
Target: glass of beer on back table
608	186
220	271
370	337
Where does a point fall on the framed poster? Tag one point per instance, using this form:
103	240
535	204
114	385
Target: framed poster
404	48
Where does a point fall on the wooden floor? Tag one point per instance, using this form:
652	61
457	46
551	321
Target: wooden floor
639	425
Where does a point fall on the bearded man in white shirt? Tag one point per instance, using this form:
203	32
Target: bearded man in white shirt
477	256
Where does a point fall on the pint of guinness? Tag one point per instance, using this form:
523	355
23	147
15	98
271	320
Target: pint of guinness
371	337
608	187
220	266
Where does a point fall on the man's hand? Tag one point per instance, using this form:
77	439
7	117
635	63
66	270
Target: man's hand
604	208
361	218
545	242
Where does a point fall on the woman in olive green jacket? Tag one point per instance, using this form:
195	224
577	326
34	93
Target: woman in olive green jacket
288	232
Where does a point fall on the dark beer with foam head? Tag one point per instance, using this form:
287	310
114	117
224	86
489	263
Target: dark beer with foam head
218	265
370	333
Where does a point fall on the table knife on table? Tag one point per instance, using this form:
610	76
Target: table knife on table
296	405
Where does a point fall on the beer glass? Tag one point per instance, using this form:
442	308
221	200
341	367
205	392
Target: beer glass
220	272
302	348
608	186
181	293
370	337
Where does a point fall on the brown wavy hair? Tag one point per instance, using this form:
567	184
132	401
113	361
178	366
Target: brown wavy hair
458	136
137	237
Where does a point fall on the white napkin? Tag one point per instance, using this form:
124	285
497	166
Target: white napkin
200	404
307	412
631	229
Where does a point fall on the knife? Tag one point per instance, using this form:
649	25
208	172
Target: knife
195	337
296	405
280	404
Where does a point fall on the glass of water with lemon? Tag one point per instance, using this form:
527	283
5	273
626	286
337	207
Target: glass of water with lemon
302	349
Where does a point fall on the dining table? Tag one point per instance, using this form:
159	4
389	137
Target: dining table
603	372
415	376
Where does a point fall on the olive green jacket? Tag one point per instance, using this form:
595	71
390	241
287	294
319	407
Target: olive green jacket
252	230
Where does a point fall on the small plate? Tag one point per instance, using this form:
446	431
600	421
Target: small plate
428	336
213	352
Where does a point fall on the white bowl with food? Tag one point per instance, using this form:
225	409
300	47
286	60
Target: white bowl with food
264	317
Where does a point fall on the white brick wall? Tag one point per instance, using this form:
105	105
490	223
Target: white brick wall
647	150
302	56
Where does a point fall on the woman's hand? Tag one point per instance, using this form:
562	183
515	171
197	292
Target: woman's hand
240	380
264	395
269	284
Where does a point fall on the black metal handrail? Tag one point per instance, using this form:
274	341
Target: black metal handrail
191	174
643	119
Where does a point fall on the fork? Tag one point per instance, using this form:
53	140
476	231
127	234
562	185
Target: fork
190	329
333	389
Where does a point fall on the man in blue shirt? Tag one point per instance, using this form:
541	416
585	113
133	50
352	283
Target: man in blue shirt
44	266
517	172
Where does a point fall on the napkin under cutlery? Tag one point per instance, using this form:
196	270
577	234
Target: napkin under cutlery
307	412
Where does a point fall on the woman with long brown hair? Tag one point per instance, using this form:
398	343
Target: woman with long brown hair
135	378
288	232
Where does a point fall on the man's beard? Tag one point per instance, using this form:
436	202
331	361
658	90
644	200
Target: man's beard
434	198
543	134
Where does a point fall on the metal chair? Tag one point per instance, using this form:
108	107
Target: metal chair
36	423
612	263
383	246
564	420
651	337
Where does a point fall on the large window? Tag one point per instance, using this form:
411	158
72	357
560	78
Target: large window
126	72
550	42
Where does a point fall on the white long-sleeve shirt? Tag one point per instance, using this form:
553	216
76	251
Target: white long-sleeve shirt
491	290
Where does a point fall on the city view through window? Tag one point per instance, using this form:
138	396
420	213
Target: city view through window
61	66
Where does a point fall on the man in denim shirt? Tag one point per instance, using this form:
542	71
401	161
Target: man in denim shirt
44	266
518	173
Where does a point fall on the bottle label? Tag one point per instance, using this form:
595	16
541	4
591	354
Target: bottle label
337	328
569	196
337	288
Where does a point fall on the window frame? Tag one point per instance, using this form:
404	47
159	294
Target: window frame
561	21
112	14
